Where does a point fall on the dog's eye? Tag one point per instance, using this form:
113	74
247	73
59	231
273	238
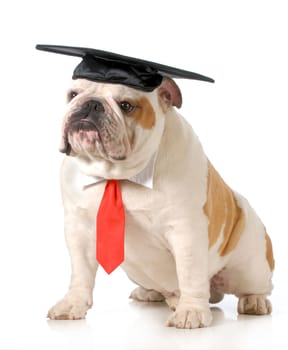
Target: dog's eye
71	95
127	107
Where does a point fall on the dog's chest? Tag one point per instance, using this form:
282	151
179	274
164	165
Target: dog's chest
147	213
149	219
148	259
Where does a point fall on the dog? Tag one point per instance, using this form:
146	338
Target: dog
189	238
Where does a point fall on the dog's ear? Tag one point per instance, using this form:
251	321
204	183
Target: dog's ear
169	94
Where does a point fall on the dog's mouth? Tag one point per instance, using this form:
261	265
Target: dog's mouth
84	129
85	138
84	135
82	125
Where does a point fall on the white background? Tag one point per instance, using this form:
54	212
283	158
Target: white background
241	120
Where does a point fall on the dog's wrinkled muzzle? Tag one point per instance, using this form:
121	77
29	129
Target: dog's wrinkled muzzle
87	117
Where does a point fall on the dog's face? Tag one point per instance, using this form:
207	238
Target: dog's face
110	126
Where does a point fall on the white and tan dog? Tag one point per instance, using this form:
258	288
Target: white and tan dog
189	239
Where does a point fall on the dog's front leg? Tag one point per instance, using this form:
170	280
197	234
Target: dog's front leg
190	251
80	239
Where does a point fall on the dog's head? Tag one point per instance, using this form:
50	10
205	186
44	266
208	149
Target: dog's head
113	130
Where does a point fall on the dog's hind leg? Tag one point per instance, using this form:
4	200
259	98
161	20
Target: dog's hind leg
248	273
217	285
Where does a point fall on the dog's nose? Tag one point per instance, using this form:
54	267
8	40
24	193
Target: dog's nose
93	106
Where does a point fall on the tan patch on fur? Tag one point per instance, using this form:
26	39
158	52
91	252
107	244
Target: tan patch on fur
269	252
144	114
223	213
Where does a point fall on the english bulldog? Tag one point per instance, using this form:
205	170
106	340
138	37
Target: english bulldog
189	238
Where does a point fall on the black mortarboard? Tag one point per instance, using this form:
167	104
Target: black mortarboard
108	67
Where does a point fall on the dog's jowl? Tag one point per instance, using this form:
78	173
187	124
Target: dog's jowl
188	237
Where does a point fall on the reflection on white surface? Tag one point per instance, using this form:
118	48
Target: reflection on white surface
120	323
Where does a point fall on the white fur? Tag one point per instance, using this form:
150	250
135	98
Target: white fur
166	239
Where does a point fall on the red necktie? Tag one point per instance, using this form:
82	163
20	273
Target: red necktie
110	228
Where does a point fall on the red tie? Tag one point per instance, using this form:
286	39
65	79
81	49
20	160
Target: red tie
110	228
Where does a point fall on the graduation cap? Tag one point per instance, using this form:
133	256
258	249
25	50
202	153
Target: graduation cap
108	67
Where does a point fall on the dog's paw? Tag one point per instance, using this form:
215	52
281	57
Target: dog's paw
191	317
142	294
254	305
70	308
